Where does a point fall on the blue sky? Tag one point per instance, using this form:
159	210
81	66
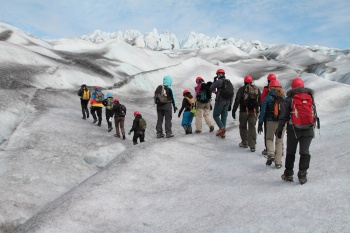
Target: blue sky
312	22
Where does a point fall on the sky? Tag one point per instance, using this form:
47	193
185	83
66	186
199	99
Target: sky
60	173
314	22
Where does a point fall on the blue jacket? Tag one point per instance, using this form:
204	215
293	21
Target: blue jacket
267	107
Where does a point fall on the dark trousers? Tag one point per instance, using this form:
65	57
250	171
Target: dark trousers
119	122
162	114
139	134
109	118
98	111
84	107
303	138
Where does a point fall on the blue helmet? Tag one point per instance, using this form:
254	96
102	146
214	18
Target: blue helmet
109	94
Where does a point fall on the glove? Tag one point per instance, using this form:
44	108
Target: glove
229	108
211	107
175	109
179	115
278	133
260	129
129	133
234	115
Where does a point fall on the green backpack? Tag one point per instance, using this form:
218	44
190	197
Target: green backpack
142	124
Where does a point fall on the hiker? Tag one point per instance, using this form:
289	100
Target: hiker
299	112
269	115
203	104
119	118
138	127
84	94
270	77
247	98
108	103
223	100
96	105
164	98
187	117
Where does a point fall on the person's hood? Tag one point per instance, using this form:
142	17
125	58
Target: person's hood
167	80
300	90
271	93
109	95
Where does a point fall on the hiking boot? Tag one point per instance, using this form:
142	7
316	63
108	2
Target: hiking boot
198	131
83	118
110	129
116	135
95	120
269	161
252	149
223	136
189	129
220	131
169	135
278	166
242	145
135	143
302	177
211	128
123	136
287	178
99	124
160	135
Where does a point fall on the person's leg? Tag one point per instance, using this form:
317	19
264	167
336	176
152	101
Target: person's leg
270	135
252	118
224	113
199	116
292	143
279	146
122	129
83	108
168	115
160	117
216	114
243	118
116	125
304	145
206	113
99	115
93	113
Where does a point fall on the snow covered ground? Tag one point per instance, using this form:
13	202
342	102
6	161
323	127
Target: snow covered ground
59	173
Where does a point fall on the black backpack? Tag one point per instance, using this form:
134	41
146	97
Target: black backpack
226	90
274	108
121	110
251	96
204	95
161	96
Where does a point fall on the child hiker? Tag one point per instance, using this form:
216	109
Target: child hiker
139	127
187	117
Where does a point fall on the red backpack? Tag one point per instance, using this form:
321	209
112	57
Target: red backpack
303	111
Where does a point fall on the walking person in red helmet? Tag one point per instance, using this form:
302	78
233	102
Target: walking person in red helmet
223	100
248	99
138	127
270	77
299	112
269	115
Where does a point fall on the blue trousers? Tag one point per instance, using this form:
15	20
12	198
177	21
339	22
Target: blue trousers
187	118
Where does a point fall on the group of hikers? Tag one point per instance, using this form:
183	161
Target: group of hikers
276	113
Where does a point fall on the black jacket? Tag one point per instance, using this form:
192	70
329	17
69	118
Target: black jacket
135	124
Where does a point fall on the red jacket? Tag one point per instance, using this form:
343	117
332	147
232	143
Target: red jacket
264	93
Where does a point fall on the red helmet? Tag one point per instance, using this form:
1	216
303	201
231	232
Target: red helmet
297	82
220	71
271	77
185	91
199	79
248	79
136	113
274	83
97	87
115	100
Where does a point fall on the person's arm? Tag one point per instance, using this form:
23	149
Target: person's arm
182	106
